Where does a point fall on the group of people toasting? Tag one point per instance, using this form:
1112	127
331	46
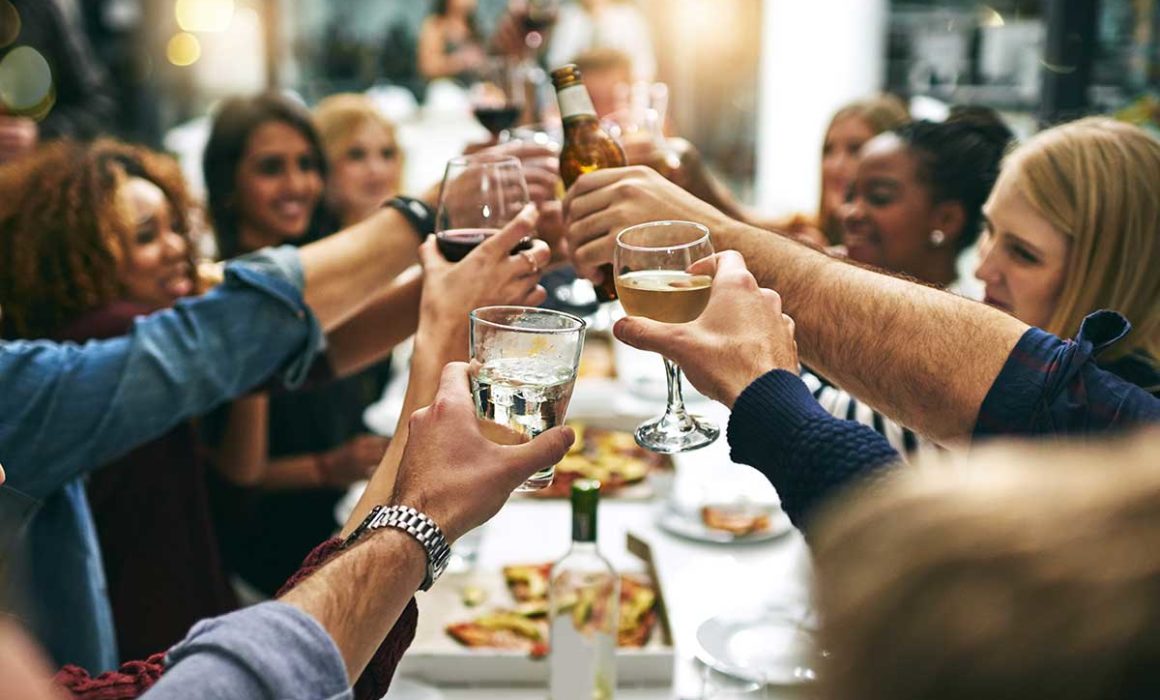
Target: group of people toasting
840	358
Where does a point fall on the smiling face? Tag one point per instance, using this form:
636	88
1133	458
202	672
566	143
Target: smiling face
364	172
155	270
1023	258
279	185
843	142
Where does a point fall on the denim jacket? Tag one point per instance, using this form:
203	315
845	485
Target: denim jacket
67	409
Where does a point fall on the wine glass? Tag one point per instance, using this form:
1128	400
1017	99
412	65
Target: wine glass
480	194
651	261
497	98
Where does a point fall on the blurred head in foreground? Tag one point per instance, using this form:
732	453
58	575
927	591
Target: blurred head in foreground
1018	572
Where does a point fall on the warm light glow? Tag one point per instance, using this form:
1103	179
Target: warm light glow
183	49
205	15
26	85
991	17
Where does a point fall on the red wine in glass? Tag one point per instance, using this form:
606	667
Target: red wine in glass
498	119
456	243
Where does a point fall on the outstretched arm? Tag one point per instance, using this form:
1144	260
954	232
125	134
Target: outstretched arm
924	357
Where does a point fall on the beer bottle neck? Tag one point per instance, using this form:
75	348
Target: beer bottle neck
575	102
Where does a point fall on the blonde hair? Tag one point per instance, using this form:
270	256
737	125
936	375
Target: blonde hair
881	113
337	118
1015	571
1097	181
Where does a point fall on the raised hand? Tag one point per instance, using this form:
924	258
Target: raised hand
454	474
741	334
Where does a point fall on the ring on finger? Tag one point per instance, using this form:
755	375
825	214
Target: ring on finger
531	258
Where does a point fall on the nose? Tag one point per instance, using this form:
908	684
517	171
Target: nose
989	269
176	246
851	212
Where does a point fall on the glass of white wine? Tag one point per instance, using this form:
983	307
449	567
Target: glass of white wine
652	280
523	368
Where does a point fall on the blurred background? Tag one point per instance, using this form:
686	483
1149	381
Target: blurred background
752	82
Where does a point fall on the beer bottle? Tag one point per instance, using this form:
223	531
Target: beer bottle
587	146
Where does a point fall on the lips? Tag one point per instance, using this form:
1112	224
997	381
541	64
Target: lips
993	302
291	209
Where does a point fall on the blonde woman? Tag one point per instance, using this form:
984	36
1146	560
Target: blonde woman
366	164
1071	227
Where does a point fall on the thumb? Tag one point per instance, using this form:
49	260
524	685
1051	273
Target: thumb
646	334
541	452
429	256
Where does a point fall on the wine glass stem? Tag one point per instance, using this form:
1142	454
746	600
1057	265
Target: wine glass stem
676	405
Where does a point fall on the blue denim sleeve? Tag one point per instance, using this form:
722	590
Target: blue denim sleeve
1050	386
271	650
66	409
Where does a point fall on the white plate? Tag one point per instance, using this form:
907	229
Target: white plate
691	527
771	646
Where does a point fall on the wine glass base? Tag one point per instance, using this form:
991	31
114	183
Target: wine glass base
538	481
671	434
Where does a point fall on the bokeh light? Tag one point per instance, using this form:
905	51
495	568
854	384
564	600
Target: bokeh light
183	49
205	15
9	23
26	86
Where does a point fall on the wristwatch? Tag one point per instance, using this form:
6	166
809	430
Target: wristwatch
417	213
415	524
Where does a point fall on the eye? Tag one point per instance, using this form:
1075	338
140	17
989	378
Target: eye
390	153
145	235
828	149
307	164
1022	254
880	198
270	166
357	153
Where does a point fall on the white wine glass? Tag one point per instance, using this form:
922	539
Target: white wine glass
651	261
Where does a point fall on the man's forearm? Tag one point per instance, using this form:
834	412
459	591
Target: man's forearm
919	355
347	271
358	596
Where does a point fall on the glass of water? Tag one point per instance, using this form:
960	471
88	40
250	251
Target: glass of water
523	368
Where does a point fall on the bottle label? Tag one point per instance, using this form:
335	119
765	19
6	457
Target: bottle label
575	101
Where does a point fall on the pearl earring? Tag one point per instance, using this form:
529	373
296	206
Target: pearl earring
937	238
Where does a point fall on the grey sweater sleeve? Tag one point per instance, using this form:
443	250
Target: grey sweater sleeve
271	650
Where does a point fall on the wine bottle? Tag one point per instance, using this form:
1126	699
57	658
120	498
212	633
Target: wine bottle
587	146
583	610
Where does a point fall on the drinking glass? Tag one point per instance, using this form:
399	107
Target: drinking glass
480	195
651	261
497	98
523	367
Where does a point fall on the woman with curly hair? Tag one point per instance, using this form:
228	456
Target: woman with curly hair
91	237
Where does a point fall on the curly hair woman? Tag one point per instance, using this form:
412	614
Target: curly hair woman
91	237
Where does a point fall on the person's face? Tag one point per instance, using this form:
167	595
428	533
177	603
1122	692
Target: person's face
1023	258
609	90
365	173
840	151
155	271
887	218
279	183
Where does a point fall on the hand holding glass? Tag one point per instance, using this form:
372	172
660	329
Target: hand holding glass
651	262
523	368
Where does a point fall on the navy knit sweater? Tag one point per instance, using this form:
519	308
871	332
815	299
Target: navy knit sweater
778	428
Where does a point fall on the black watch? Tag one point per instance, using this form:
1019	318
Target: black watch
417	212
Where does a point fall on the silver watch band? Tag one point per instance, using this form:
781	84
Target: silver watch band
417	525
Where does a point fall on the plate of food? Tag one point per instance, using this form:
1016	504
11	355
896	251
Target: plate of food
491	628
611	457
726	523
